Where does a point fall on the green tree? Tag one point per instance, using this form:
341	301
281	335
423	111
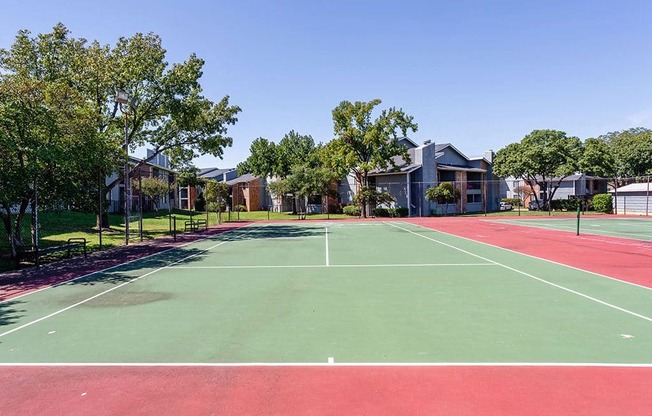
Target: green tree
293	150
171	117
543	157
46	129
216	194
262	159
363	144
305	181
444	193
631	150
152	188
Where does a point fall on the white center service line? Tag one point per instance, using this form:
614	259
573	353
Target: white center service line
627	311
327	256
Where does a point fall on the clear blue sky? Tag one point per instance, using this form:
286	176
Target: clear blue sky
478	74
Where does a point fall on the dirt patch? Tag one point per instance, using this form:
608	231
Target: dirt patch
119	299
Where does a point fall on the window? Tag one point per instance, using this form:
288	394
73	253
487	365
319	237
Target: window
473	198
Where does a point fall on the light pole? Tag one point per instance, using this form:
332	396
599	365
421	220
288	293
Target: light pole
122	98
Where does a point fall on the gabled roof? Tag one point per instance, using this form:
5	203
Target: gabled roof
213	172
247	177
439	148
401	164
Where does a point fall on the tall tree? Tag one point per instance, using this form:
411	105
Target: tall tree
46	126
363	144
171	116
543	157
632	151
293	150
216	194
262	159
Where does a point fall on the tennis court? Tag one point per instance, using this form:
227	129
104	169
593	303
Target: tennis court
633	228
305	298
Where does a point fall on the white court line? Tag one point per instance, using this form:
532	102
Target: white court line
121	264
107	291
321	266
327	256
627	311
337	364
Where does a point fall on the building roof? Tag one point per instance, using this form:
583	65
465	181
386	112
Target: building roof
634	187
402	166
135	160
213	172
247	177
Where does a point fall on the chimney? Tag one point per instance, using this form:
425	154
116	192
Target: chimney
489	155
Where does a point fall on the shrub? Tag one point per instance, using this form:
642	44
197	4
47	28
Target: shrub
603	203
401	212
564	204
240	208
214	207
352	210
512	201
381	212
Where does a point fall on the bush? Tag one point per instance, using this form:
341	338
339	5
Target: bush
381	212
390	212
352	210
564	204
401	212
512	201
239	208
603	203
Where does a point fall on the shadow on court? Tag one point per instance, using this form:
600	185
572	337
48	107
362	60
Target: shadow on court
9	313
122	264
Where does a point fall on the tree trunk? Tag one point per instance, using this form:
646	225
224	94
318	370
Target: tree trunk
6	220
104	219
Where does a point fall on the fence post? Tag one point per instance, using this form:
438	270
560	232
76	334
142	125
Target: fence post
174	230
647	197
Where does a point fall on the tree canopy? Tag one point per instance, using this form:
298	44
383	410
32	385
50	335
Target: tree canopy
58	114
268	159
631	150
543	157
363	143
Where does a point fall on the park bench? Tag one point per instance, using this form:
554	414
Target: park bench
195	225
75	243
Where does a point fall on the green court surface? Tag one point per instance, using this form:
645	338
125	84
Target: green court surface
633	228
355	292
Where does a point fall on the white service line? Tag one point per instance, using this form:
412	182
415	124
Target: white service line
107	291
627	311
321	266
